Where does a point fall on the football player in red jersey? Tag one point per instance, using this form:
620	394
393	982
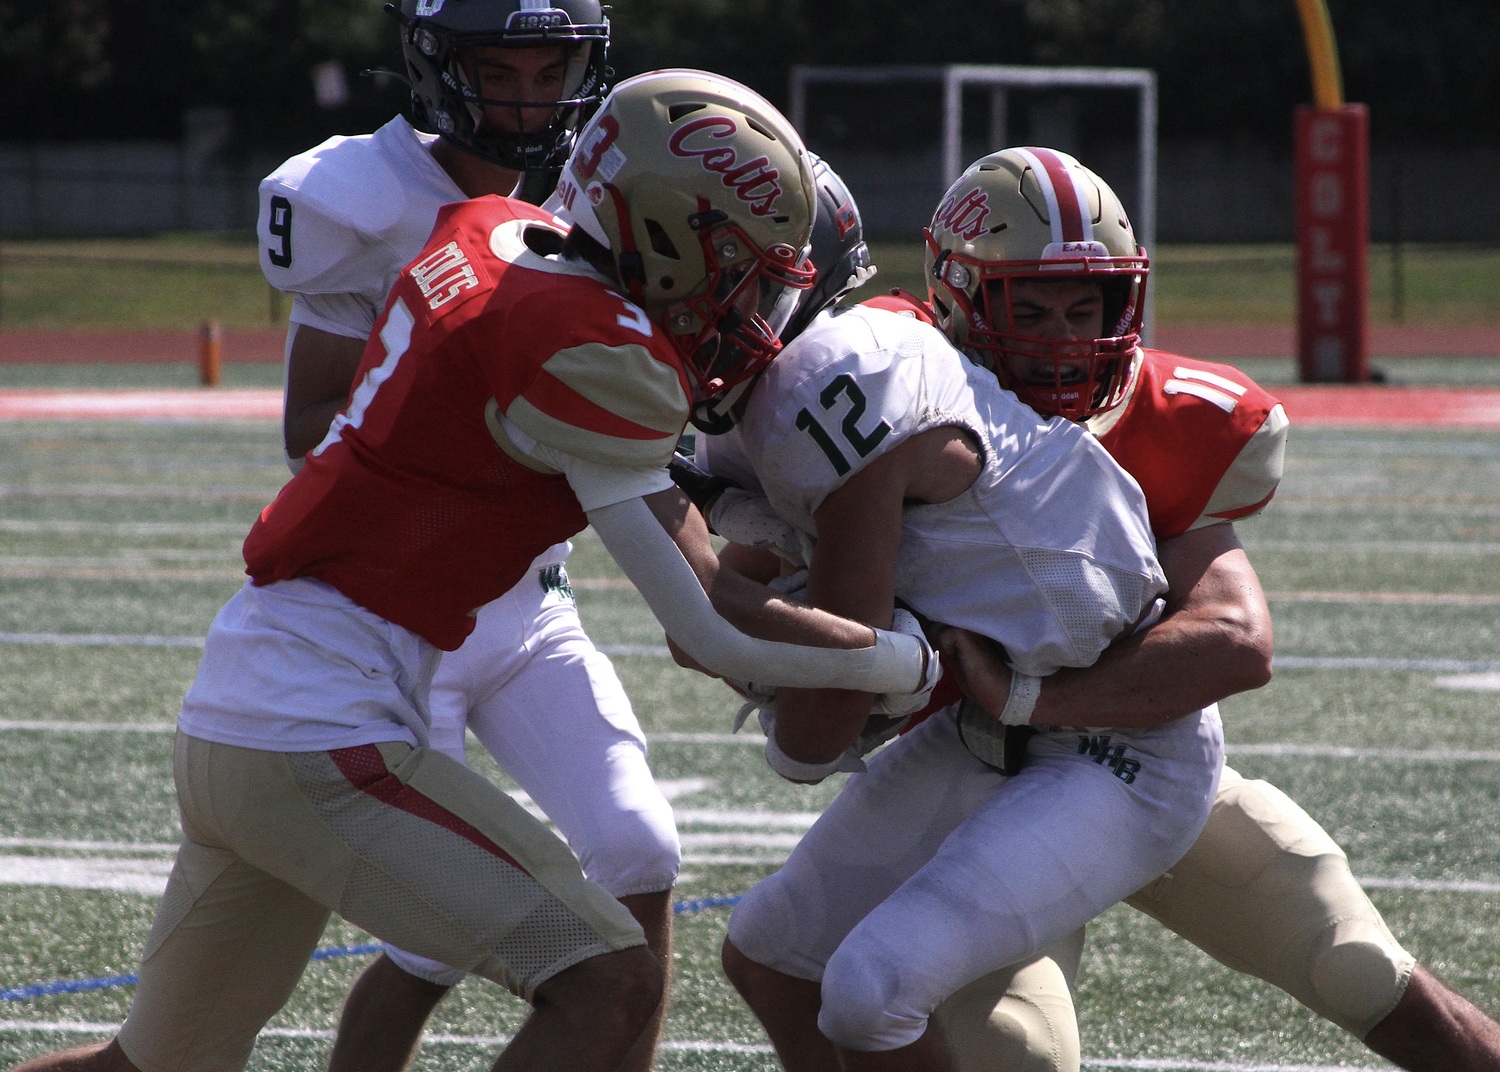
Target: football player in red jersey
524	380
1031	270
500	88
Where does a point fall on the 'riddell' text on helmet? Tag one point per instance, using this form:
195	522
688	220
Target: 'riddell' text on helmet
702	193
1034	214
438	39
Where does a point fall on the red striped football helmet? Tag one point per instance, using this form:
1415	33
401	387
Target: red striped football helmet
1037	214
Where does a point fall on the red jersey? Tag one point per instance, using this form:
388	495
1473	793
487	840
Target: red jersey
1203	440
410	506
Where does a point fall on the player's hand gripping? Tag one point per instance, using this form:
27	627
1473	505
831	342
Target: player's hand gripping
888	713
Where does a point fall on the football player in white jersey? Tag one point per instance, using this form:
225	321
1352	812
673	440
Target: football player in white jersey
503	84
522	382
910	474
1264	889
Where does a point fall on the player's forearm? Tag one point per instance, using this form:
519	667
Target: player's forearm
305	428
1214	641
754	610
816	725
1188	660
664	570
320	370
1172	670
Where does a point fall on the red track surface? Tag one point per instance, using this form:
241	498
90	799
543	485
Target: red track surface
1306	405
202	403
1469	407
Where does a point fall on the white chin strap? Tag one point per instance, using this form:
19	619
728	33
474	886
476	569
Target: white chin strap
719	415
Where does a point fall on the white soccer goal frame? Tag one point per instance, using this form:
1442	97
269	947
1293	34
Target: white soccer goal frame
956	77
1000	78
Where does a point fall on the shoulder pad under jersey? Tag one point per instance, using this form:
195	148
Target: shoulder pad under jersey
847	390
1205	442
608	386
1250	482
347	215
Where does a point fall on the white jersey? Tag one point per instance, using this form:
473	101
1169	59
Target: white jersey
1049	552
339	222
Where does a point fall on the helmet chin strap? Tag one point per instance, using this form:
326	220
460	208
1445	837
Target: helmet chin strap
717	415
628	261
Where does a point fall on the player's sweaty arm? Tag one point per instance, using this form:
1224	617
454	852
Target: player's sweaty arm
1213	641
853	571
320	370
663	545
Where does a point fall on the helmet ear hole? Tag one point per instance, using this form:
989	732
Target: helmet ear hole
838	250
661	242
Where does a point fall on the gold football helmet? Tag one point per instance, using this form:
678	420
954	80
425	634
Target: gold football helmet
702	192
1037	214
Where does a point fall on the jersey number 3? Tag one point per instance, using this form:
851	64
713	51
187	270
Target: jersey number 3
860	442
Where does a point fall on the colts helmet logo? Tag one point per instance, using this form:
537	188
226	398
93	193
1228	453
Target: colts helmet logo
754	182
964	213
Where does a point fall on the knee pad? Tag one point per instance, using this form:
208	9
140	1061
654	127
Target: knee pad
638	852
1014	1020
1267	892
864	1006
1357	974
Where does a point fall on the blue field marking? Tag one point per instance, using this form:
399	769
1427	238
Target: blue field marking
332	952
701	903
65	986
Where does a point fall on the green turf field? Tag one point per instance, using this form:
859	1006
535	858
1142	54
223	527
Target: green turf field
177	281
119	541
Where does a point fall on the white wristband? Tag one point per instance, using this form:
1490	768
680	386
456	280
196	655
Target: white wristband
794	770
1024	690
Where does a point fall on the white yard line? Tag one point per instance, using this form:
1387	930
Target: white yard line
1161	1064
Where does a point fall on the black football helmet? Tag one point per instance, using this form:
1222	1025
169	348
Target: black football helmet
838	249
436	33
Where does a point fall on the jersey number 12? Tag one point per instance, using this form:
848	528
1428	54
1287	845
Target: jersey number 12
860	442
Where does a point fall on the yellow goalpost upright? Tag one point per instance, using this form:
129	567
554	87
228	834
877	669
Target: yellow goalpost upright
1331	159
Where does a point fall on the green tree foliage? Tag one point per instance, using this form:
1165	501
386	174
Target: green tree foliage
1230	69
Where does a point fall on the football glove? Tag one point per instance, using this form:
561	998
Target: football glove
747	518
700	486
